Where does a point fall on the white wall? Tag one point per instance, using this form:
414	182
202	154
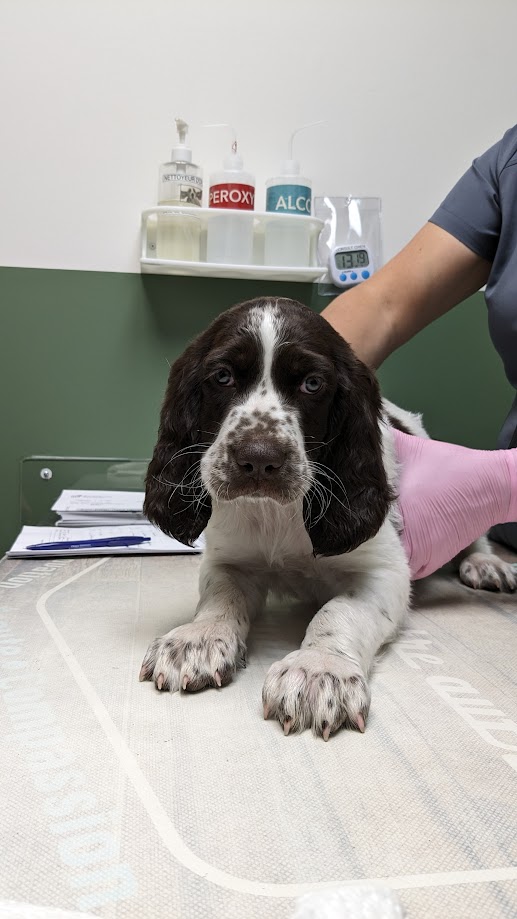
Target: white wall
411	90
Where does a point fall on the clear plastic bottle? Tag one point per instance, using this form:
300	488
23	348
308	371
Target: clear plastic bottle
180	180
230	236
287	242
178	234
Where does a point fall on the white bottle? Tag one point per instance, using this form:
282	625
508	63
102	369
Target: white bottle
178	234
289	192
286	242
230	236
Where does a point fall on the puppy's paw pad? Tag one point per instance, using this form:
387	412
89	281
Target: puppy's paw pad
193	657
488	572
318	690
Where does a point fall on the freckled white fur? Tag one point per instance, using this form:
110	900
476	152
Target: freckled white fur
266	325
270	543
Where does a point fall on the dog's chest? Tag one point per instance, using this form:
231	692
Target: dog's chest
260	532
276	548
304	583
290	575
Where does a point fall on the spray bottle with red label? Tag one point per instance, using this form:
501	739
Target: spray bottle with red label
230	236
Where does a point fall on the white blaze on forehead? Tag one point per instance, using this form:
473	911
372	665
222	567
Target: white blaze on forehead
267	325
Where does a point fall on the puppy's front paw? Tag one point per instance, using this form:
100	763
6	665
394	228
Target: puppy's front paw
488	572
194	656
318	689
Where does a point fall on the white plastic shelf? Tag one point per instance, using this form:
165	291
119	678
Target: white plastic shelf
150	264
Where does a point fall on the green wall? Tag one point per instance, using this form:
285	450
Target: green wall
84	362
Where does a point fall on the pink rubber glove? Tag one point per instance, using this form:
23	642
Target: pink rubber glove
449	496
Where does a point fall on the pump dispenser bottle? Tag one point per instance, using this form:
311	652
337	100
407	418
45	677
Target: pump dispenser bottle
181	181
230	236
178	233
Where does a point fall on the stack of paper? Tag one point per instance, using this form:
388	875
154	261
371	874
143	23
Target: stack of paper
99	508
96	541
97	523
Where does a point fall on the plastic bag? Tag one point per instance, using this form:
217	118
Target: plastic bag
348	221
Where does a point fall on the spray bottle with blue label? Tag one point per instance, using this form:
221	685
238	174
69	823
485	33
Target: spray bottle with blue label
288	242
289	192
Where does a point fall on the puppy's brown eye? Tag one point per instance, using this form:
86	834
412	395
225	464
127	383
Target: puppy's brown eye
311	385
224	377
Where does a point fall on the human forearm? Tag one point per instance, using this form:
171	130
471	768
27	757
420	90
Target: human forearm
364	318
431	275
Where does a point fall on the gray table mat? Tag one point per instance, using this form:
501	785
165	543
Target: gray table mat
120	801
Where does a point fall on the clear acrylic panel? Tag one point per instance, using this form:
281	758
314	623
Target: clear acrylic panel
43	478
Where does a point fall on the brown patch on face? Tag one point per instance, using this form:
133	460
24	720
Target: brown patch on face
195	402
340	425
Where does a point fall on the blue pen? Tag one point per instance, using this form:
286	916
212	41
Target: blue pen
113	541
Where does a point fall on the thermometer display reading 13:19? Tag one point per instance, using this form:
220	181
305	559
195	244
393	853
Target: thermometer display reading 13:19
349	265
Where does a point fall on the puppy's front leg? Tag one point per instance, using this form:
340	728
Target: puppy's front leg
324	685
207	651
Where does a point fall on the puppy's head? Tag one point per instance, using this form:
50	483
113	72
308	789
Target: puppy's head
269	403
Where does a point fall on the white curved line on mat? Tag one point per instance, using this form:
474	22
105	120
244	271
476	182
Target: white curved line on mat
166	829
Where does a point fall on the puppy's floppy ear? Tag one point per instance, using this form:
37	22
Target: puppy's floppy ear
172	492
360	494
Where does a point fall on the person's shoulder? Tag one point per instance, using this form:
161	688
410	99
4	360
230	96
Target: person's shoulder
507	149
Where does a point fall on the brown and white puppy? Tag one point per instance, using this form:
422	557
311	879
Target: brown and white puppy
273	440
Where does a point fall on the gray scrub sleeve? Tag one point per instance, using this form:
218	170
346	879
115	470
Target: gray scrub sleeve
471	211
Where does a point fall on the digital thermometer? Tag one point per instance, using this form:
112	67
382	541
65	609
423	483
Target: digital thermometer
348	265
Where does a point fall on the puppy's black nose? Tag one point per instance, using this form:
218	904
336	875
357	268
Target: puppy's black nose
260	459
